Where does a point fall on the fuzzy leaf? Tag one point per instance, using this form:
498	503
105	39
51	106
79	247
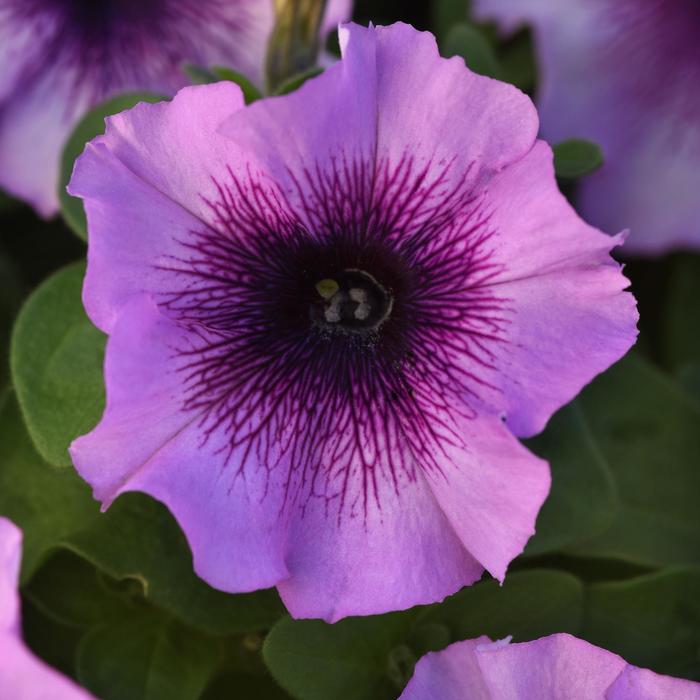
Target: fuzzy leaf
576	157
56	361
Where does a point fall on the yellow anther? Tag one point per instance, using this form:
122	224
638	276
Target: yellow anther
327	288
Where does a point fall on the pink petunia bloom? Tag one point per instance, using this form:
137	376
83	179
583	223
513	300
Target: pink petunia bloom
558	667
22	675
624	73
330	314
58	59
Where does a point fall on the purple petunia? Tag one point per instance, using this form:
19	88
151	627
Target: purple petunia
557	667
22	675
624	73
58	58
330	313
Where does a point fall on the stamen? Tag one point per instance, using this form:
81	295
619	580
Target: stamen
355	302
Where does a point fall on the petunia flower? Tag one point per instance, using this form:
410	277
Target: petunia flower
623	73
57	59
330	313
22	675
557	667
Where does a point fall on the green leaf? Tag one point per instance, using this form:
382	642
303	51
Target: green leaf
371	658
297	80
528	605
646	427
71	590
652	621
53	642
576	157
91	125
56	359
147	657
137	539
250	92
682	331
313	660
583	500
467	41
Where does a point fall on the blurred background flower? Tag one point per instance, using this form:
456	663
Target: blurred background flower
58	58
625	74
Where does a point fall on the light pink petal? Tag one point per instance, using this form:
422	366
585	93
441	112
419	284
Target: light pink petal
25	677
233	519
491	489
450	674
642	684
566	315
10	555
375	105
398	551
551	668
139	162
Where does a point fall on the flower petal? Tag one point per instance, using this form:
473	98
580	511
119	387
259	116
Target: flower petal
141	196
244	531
491	489
450	674
559	666
560	283
25	677
367	108
642	684
10	553
398	552
35	122
231	519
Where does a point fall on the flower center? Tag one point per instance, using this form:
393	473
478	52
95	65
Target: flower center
351	302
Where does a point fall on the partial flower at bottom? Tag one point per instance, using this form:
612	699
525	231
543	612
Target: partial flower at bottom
558	667
22	675
330	313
